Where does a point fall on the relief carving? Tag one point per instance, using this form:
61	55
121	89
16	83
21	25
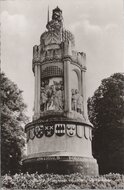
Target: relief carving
60	130
71	130
52	38
53	54
52	95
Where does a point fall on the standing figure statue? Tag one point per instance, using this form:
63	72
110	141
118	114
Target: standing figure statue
59	98
73	101
80	104
43	99
77	101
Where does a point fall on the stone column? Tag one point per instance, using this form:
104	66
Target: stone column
37	91
80	83
67	92
83	91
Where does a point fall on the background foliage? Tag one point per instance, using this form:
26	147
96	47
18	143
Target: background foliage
106	112
13	119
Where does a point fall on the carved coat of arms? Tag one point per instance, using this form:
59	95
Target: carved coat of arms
48	130
32	135
71	130
39	131
80	131
90	133
86	132
60	129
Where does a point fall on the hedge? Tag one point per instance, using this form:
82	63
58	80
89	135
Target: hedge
54	181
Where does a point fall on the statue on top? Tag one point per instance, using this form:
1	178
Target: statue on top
56	23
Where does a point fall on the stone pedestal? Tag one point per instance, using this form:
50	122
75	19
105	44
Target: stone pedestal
62	165
59	150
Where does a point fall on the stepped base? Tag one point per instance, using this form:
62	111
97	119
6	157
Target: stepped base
61	165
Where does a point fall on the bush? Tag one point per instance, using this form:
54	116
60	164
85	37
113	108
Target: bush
54	181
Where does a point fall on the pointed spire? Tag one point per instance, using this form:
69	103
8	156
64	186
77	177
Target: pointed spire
48	16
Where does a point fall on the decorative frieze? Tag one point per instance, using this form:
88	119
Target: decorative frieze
59	129
51	71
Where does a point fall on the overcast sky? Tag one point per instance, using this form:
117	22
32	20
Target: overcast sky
98	26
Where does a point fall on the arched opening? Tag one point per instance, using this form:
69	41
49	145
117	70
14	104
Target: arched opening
76	98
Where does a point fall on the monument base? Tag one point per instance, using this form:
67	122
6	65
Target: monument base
61	165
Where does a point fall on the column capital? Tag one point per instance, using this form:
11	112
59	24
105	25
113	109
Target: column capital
84	69
36	63
67	58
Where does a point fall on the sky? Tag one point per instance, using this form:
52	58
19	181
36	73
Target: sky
98	27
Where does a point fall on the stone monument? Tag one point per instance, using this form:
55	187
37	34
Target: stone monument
59	137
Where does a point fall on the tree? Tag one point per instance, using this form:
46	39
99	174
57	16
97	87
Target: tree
13	119
106	112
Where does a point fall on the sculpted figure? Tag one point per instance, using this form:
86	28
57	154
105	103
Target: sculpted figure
73	100
75	96
80	104
44	94
58	99
43	99
36	52
50	103
56	22
39	52
77	101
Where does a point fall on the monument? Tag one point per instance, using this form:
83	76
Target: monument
60	135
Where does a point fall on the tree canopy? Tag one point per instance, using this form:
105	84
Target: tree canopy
13	118
106	113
